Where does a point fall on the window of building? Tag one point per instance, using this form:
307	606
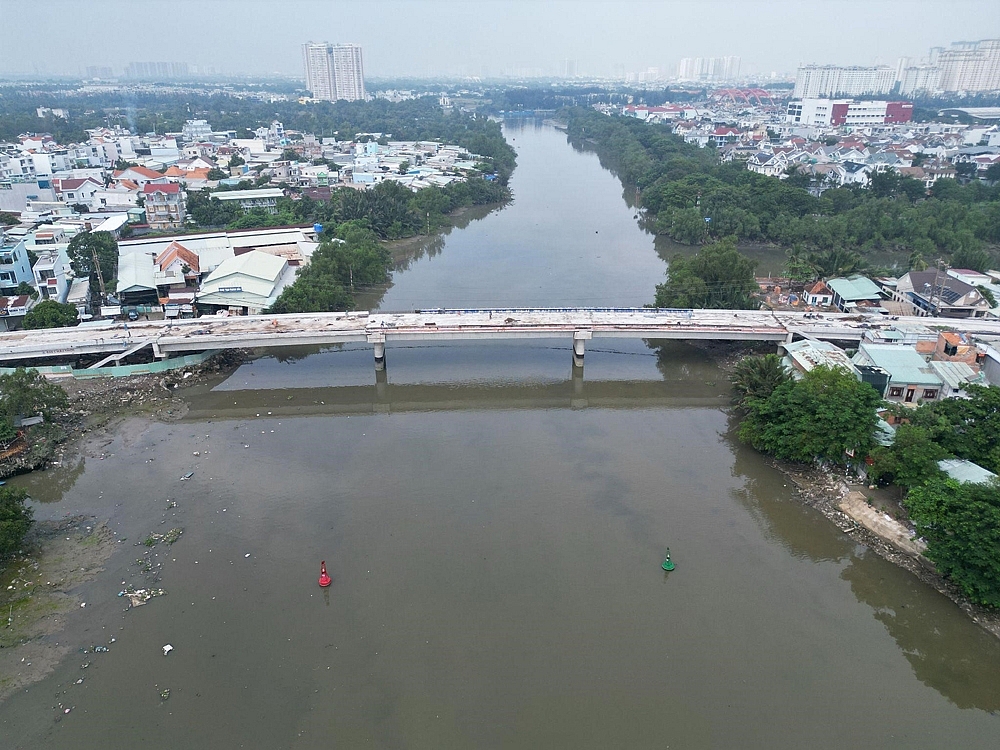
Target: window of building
950	349
895	392
930	393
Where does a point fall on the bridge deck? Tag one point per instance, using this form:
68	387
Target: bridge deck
378	328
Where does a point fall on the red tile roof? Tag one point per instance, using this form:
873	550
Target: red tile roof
169	187
144	171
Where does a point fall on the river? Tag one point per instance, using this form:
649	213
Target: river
494	523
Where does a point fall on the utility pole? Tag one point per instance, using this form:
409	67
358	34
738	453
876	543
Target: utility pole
97	267
937	272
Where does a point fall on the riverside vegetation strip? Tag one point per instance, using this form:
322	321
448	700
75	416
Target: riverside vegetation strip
681	185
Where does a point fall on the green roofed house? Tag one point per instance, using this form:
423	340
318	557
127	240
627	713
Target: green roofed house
911	377
965	471
854	292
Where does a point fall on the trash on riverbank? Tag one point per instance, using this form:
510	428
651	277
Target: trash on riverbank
169	538
138	597
167	649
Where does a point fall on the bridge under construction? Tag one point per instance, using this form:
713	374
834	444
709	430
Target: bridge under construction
113	342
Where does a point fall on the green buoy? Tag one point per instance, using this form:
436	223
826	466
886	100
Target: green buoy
668	564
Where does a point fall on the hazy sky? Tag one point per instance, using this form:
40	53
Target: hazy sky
460	37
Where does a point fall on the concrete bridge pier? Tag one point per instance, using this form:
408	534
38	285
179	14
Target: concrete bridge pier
378	341
580	339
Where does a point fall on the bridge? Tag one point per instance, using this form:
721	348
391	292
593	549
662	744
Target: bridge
114	341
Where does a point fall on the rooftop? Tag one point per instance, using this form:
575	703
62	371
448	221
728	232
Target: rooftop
965	471
903	363
854	288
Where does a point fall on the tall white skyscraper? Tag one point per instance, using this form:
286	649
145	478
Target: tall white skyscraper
334	71
814	81
709	69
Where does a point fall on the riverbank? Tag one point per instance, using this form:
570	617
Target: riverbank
825	489
39	587
99	403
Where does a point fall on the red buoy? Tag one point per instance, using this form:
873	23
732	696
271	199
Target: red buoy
324	579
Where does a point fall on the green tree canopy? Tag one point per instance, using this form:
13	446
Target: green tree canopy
961	525
51	314
821	417
911	460
717	276
26	392
236	160
82	250
755	378
353	257
968	428
15	519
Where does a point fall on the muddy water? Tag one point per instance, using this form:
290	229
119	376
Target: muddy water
494	525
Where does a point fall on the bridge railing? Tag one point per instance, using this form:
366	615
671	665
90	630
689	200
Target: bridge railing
507	310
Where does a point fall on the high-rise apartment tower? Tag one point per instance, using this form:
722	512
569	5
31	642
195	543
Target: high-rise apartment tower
334	71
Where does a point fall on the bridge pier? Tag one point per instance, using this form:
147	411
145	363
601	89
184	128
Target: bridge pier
580	339
377	340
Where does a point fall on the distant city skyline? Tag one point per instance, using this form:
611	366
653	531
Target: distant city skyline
426	38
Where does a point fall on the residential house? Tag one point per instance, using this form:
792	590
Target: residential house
965	471
140	176
957	347
165	205
772	165
123	195
177	266
52	274
15	267
262	199
911	378
856	173
137	280
818	295
76	191
247	283
13	310
955	376
802	356
942	295
856	294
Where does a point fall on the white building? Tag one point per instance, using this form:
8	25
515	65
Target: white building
334	71
709	69
814	81
970	66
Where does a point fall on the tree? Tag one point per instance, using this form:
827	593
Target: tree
975	258
82	250
15	519
826	416
235	160
25	288
911	460
25	392
993	173
755	378
51	314
717	276
966	427
404	167
216	174
290	154
961	525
